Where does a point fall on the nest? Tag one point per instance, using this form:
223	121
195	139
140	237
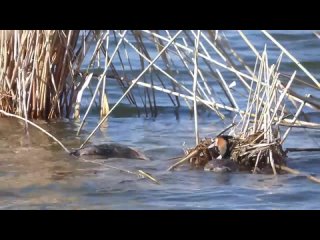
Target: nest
252	153
257	155
201	154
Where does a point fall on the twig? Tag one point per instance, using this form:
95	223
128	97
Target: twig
190	155
296	172
140	173
147	175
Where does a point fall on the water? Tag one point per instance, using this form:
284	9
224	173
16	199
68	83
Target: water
36	174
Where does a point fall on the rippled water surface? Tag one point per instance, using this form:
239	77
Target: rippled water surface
36	174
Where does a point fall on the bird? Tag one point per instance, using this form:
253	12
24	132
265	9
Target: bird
221	166
222	146
110	150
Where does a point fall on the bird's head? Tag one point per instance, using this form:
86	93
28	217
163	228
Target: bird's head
221	146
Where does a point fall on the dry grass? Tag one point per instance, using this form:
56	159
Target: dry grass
42	76
34	70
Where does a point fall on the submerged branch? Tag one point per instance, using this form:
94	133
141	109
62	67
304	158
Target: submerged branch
302	149
296	172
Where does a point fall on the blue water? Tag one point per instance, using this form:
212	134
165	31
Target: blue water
36	174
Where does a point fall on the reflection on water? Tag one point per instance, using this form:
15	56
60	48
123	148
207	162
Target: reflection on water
36	174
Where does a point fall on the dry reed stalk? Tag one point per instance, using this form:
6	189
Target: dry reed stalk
139	173
208	89
223	45
168	74
79	96
218	76
183	160
268	124
283	122
115	74
246	40
168	63
214	74
258	55
45	87
99	82
291	57
227	90
104	109
190	50
296	172
31	70
192	75
195	80
158	68
228	61
131	86
294	120
207	103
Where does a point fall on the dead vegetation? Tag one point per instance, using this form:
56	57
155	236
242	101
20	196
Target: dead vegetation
42	75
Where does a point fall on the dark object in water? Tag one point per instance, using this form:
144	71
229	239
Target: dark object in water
111	150
222	166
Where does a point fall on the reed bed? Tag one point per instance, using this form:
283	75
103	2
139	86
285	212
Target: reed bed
43	75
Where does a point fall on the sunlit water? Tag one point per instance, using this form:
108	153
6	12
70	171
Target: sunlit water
35	173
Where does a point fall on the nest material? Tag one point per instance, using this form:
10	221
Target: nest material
203	155
244	151
247	152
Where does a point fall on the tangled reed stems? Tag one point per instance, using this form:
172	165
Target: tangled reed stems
43	75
